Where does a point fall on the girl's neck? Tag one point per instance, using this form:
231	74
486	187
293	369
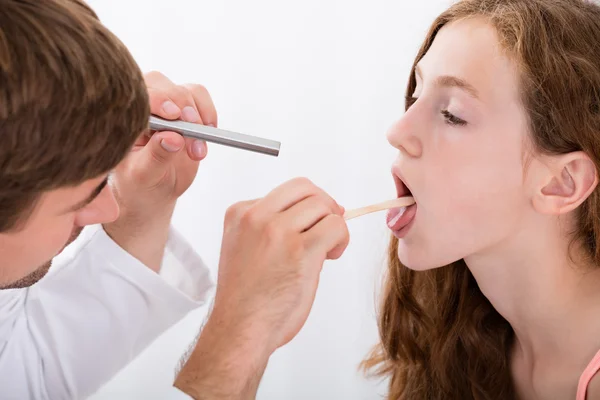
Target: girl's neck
550	296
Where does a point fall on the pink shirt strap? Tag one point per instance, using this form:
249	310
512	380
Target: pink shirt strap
587	376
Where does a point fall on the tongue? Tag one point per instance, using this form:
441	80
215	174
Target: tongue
398	218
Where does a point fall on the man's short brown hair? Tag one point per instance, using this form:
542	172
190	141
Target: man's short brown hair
72	101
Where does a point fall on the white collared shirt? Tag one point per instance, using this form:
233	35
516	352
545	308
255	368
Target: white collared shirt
95	311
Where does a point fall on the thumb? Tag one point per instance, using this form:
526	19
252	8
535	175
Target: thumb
154	158
165	145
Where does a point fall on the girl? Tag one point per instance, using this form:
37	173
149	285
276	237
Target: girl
493	287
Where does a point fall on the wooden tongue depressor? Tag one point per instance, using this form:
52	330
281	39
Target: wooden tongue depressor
386	205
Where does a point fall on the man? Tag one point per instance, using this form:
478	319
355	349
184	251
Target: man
75	152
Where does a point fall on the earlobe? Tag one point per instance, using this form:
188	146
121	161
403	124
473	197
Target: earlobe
572	178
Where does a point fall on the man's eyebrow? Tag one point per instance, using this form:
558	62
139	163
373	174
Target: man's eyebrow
452	81
91	197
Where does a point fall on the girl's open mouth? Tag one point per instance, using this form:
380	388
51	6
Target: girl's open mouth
399	219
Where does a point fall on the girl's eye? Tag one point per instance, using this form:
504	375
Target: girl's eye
453	120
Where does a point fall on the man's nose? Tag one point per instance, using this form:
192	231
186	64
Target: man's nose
103	209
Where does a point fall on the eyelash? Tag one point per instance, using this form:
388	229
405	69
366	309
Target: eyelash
451	119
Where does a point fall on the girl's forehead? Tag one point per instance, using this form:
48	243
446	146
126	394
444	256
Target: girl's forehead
470	50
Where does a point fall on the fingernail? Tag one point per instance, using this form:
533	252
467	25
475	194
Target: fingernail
190	115
213	125
199	148
170	108
170	147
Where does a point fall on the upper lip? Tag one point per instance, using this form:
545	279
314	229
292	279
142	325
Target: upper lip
402	188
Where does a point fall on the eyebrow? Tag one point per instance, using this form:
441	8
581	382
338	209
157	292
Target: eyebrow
91	197
453	81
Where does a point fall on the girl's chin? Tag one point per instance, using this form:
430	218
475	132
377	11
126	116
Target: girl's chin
416	263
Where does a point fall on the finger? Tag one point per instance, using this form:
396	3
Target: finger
304	215
329	238
162	105
158	80
198	149
204	104
235	212
161	86
192	102
184	100
175	102
338	251
191	112
290	193
154	159
182	97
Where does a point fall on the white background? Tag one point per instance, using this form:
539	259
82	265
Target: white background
324	77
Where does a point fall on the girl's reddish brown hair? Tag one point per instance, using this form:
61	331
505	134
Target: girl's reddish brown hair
440	337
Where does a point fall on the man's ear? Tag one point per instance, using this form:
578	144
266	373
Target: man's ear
569	181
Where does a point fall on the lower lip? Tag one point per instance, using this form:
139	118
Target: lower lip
411	212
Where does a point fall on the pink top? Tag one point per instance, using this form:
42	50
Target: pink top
587	376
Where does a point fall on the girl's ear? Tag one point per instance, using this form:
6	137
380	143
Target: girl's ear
569	181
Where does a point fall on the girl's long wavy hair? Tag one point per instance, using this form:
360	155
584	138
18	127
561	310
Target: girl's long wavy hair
440	337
